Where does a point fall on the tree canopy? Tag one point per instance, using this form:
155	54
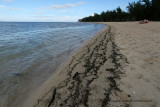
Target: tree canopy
142	9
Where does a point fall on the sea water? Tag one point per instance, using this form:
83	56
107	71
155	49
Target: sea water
30	52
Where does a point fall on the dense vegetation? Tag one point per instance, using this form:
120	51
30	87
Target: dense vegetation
142	9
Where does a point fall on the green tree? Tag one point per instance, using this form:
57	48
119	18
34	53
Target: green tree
156	9
142	9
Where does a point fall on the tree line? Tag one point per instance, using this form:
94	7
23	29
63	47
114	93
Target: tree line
142	9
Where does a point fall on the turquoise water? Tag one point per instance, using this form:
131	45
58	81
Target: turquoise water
31	52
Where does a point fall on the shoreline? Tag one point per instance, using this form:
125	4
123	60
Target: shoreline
95	62
35	60
105	71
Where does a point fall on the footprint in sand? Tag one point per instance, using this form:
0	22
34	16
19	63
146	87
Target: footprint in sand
146	80
138	76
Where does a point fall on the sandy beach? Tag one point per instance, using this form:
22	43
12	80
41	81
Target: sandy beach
118	67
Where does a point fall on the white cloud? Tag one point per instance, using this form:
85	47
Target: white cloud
2	18
54	18
92	14
9	8
42	16
38	13
7	0
61	6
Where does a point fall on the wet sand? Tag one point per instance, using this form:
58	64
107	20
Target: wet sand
120	66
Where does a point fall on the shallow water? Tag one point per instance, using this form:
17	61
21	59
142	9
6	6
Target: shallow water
31	52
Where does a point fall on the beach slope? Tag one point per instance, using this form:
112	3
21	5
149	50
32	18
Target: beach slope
116	67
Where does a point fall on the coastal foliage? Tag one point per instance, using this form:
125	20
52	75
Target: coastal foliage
142	9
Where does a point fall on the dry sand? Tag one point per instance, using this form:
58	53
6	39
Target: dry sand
118	67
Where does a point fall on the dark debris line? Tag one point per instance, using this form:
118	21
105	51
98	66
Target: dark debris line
78	92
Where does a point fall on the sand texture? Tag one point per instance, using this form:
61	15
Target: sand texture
140	43
118	67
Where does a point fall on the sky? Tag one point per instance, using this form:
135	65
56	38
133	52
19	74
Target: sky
55	10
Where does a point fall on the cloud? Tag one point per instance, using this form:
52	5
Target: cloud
92	14
9	8
2	18
61	6
54	18
39	13
40	18
43	16
7	0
